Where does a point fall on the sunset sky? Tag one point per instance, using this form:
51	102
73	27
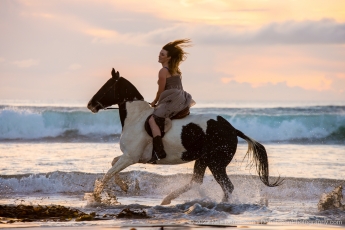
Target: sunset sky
243	50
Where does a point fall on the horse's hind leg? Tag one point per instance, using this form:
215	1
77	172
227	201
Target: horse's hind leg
221	144
197	179
219	173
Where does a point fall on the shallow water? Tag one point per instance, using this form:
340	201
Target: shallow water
62	173
286	160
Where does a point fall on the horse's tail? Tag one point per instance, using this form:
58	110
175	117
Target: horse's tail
259	158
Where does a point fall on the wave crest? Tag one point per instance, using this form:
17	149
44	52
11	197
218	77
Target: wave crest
78	124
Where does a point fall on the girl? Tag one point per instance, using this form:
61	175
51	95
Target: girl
170	98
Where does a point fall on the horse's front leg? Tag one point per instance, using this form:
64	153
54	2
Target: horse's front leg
123	185
123	162
198	175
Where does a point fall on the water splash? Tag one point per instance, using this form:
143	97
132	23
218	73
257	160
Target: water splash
332	200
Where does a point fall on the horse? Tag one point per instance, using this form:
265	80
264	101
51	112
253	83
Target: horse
209	140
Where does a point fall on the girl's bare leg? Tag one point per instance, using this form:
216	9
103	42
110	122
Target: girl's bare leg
154	127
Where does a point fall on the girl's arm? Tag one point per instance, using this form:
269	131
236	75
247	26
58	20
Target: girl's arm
161	85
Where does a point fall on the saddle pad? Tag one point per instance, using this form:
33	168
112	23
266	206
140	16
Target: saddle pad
164	124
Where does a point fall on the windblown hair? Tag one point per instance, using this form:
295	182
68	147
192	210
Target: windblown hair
177	54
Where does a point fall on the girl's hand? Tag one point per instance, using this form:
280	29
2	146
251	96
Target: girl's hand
153	104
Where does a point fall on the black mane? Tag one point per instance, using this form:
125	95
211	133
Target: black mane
125	91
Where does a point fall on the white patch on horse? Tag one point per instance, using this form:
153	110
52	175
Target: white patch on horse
134	138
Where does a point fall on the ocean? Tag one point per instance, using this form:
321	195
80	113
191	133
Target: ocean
53	153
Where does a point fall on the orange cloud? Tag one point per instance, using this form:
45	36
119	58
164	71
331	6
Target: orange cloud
226	80
278	64
247	13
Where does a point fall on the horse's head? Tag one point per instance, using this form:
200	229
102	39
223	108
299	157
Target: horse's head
115	91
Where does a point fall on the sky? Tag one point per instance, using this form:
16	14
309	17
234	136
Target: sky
243	50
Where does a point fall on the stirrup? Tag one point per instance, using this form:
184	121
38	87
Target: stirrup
154	158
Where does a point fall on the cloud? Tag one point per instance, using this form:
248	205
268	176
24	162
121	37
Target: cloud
338	83
226	80
326	31
74	67
94	36
236	91
120	23
26	63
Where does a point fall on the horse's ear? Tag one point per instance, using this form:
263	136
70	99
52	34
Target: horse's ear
115	75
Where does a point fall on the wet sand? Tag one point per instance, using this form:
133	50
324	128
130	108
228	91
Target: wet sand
37	226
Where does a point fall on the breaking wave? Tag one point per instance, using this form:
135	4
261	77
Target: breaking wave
316	124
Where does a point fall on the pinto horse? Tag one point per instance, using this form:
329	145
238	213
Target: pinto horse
208	139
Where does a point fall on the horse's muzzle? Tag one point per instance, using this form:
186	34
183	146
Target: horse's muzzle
92	108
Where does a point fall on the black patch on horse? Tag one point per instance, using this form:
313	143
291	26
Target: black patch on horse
123	113
221	142
193	138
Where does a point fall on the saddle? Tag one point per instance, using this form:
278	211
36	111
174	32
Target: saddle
164	124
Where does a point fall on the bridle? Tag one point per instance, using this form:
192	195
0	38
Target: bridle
101	105
119	99
107	108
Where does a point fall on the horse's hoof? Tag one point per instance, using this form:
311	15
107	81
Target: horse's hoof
166	202
225	200
96	198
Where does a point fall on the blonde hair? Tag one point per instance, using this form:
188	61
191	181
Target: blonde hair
177	54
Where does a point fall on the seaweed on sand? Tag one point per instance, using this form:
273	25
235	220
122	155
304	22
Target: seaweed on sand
28	213
132	214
